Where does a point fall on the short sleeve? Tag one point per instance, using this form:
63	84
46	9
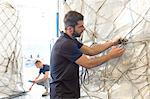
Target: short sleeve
71	51
40	71
78	43
46	68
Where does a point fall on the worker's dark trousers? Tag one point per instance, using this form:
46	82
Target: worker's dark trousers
54	96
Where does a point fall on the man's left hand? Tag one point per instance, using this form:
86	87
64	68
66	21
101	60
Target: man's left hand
117	41
34	81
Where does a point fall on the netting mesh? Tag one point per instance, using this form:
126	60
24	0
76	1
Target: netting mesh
10	52
127	77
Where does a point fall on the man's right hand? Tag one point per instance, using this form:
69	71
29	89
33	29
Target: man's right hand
116	52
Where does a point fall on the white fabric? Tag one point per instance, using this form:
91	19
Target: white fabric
122	78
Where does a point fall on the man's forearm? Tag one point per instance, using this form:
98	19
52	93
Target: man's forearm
42	79
98	61
101	47
90	63
96	49
37	76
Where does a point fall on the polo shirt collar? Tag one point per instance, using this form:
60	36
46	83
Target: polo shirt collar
66	35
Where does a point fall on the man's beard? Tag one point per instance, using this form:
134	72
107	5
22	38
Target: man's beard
75	34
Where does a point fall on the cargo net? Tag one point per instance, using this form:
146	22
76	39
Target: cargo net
10	52
127	77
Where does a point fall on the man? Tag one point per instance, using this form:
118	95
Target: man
45	80
67	54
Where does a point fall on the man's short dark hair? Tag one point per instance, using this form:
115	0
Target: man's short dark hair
37	61
71	18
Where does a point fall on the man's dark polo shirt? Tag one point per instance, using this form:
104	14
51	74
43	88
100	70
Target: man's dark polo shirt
64	70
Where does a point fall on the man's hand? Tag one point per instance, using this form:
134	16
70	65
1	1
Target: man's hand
116	52
35	81
119	41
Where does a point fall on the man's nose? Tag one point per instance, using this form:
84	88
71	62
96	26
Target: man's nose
83	28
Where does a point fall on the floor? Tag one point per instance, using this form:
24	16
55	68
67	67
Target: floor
35	93
30	72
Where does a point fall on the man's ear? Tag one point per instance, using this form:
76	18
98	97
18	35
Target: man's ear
70	29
